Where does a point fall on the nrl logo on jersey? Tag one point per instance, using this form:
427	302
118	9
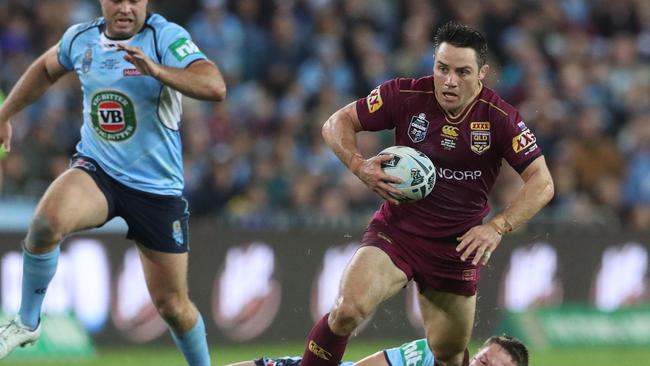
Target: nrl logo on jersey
112	115
374	100
183	47
480	137
418	128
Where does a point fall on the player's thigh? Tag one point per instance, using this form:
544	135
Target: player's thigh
448	319
165	273
371	277
73	202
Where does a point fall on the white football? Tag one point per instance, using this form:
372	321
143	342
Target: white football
416	170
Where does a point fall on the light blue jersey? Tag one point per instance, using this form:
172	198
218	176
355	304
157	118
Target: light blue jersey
131	121
415	353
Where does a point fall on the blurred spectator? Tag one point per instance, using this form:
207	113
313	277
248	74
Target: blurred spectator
578	70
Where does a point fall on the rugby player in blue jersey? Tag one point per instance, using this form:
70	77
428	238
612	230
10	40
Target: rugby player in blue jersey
496	351
133	67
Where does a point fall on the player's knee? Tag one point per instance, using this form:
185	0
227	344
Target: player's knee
171	308
347	315
46	230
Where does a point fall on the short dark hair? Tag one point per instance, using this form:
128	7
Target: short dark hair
460	35
515	348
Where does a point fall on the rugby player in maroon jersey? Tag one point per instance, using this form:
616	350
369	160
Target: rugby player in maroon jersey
440	242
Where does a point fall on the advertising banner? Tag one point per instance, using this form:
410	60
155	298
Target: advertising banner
272	285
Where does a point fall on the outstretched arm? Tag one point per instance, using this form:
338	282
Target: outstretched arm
201	80
40	75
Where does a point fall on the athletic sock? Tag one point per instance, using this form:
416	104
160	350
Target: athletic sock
194	344
324	348
38	270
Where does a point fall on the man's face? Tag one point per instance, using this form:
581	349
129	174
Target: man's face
492	355
124	18
456	76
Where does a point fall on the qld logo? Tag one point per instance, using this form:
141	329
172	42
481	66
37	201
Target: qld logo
418	128
113	115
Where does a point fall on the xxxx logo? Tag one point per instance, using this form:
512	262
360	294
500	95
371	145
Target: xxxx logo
113	115
319	351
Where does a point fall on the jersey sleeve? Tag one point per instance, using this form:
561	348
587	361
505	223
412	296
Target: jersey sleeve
65	46
177	48
414	353
518	143
377	110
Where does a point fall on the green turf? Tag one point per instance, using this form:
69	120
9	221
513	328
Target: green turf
163	356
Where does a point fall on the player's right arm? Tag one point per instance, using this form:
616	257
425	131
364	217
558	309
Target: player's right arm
340	133
40	75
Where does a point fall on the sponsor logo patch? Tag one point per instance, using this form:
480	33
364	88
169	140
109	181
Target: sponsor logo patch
110	64
182	48
113	115
374	100
84	164
450	131
177	233
449	135
524	140
479	126
469	275
319	351
131	72
522	126
418	128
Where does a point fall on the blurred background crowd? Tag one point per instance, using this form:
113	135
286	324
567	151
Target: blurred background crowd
578	70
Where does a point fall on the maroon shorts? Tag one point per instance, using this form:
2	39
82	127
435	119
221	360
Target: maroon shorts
431	263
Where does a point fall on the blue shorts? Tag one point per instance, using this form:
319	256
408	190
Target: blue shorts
158	222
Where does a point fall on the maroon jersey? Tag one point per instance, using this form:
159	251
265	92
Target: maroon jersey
466	150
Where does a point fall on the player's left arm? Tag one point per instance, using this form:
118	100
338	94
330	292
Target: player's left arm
200	80
536	192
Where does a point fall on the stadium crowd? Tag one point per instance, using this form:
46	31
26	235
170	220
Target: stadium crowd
578	70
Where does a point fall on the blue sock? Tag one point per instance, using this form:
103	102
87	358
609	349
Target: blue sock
194	344
38	270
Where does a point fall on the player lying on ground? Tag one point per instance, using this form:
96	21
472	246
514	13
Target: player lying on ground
496	351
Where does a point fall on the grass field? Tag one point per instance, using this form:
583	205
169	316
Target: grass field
165	356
